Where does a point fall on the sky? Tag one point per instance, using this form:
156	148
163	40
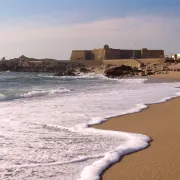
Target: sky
53	28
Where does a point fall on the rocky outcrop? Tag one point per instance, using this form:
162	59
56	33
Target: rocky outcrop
71	68
121	71
174	67
66	71
151	69
144	70
25	64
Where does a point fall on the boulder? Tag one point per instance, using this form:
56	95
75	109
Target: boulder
121	71
84	70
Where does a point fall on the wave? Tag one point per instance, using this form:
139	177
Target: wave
134	142
33	94
79	76
97	76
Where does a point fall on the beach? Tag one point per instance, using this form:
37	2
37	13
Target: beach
46	135
161	160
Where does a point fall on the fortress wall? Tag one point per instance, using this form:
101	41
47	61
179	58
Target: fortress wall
78	55
128	54
99	54
89	55
89	62
127	62
145	53
112	54
137	54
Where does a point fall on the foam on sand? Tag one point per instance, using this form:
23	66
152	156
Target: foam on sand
133	143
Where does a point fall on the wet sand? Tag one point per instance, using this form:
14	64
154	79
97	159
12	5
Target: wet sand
161	160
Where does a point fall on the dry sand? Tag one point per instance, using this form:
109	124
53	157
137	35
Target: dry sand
173	75
160	161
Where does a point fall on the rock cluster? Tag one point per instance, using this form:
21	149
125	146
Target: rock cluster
174	67
127	71
121	71
25	64
72	70
151	69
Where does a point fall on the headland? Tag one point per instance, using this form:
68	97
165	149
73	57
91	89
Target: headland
114	63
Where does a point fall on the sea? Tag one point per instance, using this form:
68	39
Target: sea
46	123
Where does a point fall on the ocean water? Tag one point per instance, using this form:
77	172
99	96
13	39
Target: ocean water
44	123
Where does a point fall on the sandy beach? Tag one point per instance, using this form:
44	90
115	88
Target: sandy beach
161	160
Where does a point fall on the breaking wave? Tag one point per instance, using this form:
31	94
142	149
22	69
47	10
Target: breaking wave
33	94
98	76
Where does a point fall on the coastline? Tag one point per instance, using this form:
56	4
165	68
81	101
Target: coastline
161	123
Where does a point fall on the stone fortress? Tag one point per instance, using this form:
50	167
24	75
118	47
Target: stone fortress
112	54
106	56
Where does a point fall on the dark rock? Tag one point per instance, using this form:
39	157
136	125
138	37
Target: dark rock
65	73
121	71
84	70
25	64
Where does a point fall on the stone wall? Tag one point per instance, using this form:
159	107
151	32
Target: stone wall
89	55
129	54
89	63
145	53
80	54
127	62
112	54
101	54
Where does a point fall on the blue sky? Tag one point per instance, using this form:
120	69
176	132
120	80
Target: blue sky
89	9
24	18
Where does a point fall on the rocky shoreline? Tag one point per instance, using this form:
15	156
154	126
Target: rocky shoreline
70	68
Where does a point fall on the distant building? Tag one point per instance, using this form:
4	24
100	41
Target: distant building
175	56
108	54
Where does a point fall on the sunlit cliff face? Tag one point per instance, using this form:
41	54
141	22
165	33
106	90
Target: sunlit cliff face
40	39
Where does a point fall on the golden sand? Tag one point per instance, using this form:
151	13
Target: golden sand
160	161
171	75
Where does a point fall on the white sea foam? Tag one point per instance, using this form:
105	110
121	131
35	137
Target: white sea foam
43	93
95	75
133	143
49	138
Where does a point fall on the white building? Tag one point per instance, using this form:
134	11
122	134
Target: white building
175	56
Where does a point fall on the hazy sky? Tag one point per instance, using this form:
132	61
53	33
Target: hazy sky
52	28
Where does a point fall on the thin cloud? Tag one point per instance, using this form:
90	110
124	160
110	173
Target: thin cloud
36	40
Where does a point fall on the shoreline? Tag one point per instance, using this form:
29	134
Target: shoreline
164	162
